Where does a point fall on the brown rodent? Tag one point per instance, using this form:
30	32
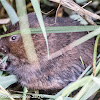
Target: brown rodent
55	73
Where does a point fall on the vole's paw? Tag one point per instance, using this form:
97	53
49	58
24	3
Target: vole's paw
3	65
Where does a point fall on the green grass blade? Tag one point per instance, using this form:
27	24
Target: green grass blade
90	85
26	38
96	80
64	29
93	88
75	85
61	29
87	85
95	54
84	73
36	7
85	38
24	93
11	12
6	81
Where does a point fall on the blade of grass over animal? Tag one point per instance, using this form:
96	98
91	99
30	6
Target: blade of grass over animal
61	29
85	38
90	92
84	89
95	54
96	80
27	39
85	71
5	92
75	43
75	85
59	93
25	93
94	87
89	72
36	7
6	81
64	29
89	84
11	12
9	34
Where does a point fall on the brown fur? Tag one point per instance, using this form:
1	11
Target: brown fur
55	73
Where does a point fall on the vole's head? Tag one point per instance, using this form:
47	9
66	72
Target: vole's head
12	46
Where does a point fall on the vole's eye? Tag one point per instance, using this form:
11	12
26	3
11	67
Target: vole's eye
14	38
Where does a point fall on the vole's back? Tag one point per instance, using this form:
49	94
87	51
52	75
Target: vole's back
57	72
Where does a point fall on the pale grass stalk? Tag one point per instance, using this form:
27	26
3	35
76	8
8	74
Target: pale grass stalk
6	93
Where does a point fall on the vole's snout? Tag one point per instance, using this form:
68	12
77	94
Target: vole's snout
4	49
4	63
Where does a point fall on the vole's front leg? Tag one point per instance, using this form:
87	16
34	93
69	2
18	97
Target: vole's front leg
3	65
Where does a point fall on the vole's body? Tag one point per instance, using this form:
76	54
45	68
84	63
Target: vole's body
52	74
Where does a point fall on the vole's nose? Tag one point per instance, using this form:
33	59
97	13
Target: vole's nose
4	49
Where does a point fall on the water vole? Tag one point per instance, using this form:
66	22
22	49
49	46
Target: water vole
55	73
